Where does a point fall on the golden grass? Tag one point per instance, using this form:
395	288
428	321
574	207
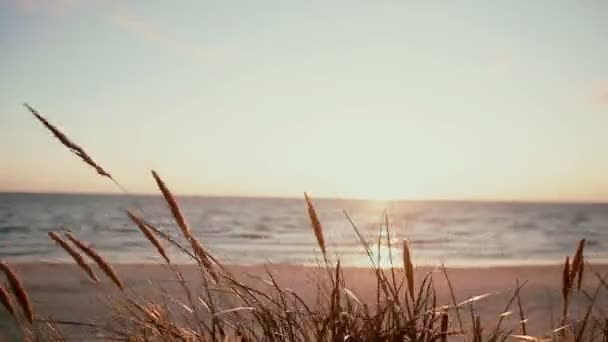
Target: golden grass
99	260
6	301
72	146
197	247
19	291
149	235
408	267
570	271
239	312
444	326
75	255
566	285
581	272
172	204
316	224
577	262
522	316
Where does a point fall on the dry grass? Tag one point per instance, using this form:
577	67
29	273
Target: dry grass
149	235
105	266
172	204
75	255
19	291
316	225
72	146
5	298
220	307
577	263
408	265
197	247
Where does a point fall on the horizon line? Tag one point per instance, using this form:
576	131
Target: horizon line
286	197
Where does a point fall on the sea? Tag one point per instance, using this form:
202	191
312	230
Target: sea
254	231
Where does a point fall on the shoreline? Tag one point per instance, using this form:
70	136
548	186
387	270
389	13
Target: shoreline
62	291
452	266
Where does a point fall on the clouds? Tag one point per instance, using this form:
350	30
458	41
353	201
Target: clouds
502	63
146	29
46	7
595	95
601	96
118	15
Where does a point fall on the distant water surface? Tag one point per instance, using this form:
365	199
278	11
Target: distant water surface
256	230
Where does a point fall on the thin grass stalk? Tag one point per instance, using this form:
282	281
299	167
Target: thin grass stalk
581	272
379	278
316	225
75	148
17	286
551	309
522	316
421	299
507	308
197	248
362	240
577	261
433	306
408	267
478	329
593	300
56	335
149	235
203	256
75	255
368	251
565	289
182	281
453	298
99	260
173	207
169	239
444	327
6	301
318	231
336	300
72	146
390	256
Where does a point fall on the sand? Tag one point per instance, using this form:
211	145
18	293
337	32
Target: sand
62	292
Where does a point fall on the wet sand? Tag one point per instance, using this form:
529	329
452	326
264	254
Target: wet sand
62	292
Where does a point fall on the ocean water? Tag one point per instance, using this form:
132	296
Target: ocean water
257	230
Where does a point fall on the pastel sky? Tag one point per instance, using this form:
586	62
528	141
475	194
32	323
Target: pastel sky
381	99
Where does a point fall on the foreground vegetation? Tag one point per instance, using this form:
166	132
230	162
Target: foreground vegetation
221	307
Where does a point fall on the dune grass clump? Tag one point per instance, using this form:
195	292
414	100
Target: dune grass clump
220	306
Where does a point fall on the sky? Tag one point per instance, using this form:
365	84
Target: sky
472	100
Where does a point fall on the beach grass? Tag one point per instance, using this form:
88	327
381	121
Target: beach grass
220	306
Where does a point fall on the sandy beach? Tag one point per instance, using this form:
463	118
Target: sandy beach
61	291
